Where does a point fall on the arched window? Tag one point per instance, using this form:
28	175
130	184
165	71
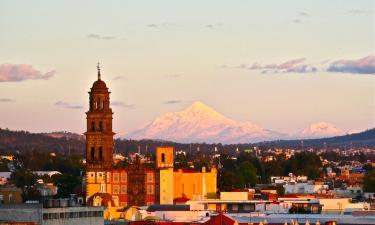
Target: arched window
162	157
100	126
102	104
10	198
92	153
93	126
102	187
100	153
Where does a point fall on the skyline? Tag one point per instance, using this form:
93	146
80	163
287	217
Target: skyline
300	66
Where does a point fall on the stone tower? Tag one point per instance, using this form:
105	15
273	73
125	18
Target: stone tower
99	140
99	134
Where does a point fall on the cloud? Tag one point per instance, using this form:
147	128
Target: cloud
21	72
122	104
99	37
213	26
290	66
173	76
360	12
365	65
160	25
119	78
296	21
6	100
152	25
67	105
173	101
303	14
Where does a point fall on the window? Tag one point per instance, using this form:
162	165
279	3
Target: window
116	177
150	177
102	187
124	189
100	126
100	153
150	189
116	189
124	178
92	153
92	126
10	198
98	104
100	174
162	157
91	174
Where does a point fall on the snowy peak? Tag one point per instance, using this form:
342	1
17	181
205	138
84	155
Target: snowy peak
200	123
321	129
200	110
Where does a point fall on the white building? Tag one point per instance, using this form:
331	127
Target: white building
305	188
54	215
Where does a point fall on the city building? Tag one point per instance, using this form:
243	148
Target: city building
138	183
52	212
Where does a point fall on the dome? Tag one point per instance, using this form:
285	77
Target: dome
99	84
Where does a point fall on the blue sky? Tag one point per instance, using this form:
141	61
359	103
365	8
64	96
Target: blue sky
230	55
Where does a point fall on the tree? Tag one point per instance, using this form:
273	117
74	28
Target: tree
26	180
369	182
65	184
246	175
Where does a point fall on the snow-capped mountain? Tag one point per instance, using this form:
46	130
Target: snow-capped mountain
321	129
200	123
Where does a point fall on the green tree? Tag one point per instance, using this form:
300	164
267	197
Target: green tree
369	182
66	184
246	175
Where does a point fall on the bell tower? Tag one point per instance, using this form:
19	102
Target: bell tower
99	134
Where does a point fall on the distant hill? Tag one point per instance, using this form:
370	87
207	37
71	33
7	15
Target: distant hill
362	139
66	135
63	142
66	142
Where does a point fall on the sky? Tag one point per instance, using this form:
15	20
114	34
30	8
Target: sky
280	64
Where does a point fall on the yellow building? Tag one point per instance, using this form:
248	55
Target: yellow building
186	183
164	162
194	184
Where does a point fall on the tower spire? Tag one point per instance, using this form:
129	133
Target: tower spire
98	67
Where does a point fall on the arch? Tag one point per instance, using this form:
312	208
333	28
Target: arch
10	198
98	104
93	126
92	153
100	153
102	187
100	125
163	157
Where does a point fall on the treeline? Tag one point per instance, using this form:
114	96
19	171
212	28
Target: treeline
23	177
68	143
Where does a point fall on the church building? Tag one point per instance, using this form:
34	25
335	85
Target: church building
137	184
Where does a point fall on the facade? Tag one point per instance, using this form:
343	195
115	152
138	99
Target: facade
39	214
10	194
194	184
138	184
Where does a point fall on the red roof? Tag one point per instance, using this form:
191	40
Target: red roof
220	219
181	200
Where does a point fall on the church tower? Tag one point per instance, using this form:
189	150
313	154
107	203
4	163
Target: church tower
99	139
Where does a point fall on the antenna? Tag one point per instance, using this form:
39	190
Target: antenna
98	67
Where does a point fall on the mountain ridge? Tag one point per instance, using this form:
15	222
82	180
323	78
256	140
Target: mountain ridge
200	123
